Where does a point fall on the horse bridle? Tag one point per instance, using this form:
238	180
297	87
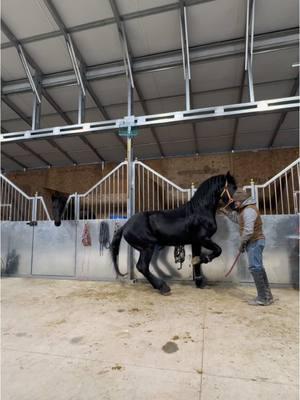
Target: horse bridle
230	199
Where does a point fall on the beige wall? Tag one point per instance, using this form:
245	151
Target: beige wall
259	165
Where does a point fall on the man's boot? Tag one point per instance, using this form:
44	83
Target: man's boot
262	297
267	286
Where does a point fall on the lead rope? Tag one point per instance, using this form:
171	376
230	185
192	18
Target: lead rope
103	237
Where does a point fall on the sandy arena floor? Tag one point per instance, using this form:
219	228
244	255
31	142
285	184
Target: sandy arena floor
72	340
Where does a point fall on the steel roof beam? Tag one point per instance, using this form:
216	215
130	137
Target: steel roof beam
222	89
106	21
15	42
186	66
202	53
146	121
128	66
76	53
14	160
284	114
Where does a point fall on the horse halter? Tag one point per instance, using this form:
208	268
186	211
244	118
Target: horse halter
230	199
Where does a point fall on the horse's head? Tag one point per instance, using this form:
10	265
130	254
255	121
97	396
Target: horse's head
228	191
59	201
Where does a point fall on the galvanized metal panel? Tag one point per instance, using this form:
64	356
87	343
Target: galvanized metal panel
51	55
287	138
149	34
275	65
169	82
180	147
129	6
16	246
99	45
54	249
214	130
145	151
274	15
90	263
220	73
170	134
66	98
280	256
215	145
80	12
9	165
170	104
215	98
27	19
253	140
272	90
52	120
258	123
7	113
11	66
216	21
111	91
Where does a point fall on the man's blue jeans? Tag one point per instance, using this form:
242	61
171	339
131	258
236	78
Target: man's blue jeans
255	255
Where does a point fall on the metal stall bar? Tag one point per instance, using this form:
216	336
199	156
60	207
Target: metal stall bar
284	190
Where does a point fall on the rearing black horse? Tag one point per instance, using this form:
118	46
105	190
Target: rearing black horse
194	223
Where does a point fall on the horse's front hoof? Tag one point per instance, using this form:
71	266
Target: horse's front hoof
200	282
165	290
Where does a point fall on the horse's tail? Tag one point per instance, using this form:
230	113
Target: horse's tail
114	249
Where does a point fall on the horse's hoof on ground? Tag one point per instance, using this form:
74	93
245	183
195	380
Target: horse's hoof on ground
200	283
165	290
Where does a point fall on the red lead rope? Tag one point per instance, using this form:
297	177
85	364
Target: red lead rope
235	261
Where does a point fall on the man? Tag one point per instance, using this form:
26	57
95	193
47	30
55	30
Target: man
252	241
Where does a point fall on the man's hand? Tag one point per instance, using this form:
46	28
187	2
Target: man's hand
243	246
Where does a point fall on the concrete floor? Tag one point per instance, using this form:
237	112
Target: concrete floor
75	340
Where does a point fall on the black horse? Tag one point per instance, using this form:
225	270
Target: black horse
194	223
59	202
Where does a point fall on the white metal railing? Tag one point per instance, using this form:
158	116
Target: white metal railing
155	192
280	194
16	205
106	199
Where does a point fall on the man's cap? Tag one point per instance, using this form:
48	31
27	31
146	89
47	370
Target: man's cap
240	195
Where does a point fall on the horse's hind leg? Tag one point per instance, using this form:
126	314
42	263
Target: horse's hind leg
198	275
143	267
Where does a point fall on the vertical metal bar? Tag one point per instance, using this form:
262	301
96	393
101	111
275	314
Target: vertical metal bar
118	192
143	198
37	104
293	188
163	194
270	200
250	83
173	206
158	191
81	107
247	35
109	197
275	192
168	196
281	197
287	194
153	191
264	200
252	31
148	192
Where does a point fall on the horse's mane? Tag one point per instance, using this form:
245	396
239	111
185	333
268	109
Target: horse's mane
208	192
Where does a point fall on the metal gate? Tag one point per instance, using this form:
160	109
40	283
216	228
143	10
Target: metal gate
279	195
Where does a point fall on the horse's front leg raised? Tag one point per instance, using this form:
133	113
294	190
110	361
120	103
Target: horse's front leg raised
210	245
198	275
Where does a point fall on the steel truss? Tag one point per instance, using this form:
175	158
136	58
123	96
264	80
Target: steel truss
196	115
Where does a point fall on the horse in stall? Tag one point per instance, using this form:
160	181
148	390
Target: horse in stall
60	208
194	224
